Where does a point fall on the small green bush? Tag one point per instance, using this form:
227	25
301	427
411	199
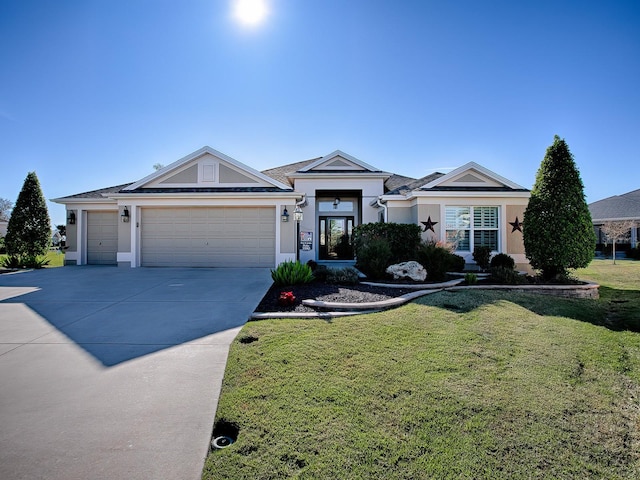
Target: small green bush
343	276
471	278
502	260
374	257
437	260
482	256
292	273
506	276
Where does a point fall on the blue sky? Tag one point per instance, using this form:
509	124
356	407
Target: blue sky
94	93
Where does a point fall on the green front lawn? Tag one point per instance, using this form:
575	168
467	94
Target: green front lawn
456	385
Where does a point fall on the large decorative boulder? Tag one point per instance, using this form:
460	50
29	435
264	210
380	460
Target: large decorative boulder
407	270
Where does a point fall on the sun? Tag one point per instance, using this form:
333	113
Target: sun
249	12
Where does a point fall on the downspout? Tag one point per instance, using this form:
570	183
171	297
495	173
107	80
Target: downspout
384	208
299	208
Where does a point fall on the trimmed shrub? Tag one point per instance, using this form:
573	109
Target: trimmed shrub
503	260
320	272
506	276
457	263
403	239
482	256
437	260
343	276
374	257
292	273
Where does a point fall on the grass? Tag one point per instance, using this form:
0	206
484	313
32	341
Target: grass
56	259
465	385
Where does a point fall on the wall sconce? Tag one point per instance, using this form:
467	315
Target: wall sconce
125	215
71	219
285	215
297	214
336	202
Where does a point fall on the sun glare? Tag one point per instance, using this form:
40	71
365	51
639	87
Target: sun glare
249	12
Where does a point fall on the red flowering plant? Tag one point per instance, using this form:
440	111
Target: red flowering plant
286	299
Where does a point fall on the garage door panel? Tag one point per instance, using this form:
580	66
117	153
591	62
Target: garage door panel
102	238
208	237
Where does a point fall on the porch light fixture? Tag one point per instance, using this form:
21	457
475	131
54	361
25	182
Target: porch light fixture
125	215
336	202
297	214
71	219
285	215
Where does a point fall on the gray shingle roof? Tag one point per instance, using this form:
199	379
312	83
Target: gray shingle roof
280	173
617	207
404	187
99	193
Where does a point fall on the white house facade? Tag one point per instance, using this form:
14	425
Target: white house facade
209	210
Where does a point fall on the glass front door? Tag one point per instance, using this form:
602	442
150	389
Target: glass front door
335	238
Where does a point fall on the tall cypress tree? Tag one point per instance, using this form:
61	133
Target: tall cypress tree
29	229
557	229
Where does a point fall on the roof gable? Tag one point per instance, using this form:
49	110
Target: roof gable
338	161
206	168
471	176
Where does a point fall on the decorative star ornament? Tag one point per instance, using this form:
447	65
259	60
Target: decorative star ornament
428	225
517	225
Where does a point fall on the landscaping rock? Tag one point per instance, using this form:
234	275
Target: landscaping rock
407	270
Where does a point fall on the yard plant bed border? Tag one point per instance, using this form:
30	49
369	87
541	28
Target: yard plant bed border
372	296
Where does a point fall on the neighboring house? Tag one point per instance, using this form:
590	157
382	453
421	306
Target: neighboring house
619	207
209	210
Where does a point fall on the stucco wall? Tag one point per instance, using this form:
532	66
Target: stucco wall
515	243
124	233
424	211
287	231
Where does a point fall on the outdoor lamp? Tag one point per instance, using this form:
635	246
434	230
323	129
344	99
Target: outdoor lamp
297	214
336	202
71	219
285	215
125	215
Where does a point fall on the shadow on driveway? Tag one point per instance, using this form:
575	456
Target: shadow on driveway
118	314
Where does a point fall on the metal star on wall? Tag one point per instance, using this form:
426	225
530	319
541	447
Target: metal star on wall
517	225
428	225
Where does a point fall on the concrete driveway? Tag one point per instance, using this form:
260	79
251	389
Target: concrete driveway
115	373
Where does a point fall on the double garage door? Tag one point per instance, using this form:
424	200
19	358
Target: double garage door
208	237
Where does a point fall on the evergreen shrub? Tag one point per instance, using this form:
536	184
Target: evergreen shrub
502	260
482	256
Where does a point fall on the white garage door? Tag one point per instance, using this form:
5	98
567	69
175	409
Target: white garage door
102	238
208	237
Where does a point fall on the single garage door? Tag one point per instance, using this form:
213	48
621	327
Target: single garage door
208	237
102	238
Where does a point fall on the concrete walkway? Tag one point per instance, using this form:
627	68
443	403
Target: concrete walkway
115	373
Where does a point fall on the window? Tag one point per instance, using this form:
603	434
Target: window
467	226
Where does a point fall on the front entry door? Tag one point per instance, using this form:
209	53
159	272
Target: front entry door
335	238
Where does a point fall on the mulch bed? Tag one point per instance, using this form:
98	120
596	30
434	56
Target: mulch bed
326	292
